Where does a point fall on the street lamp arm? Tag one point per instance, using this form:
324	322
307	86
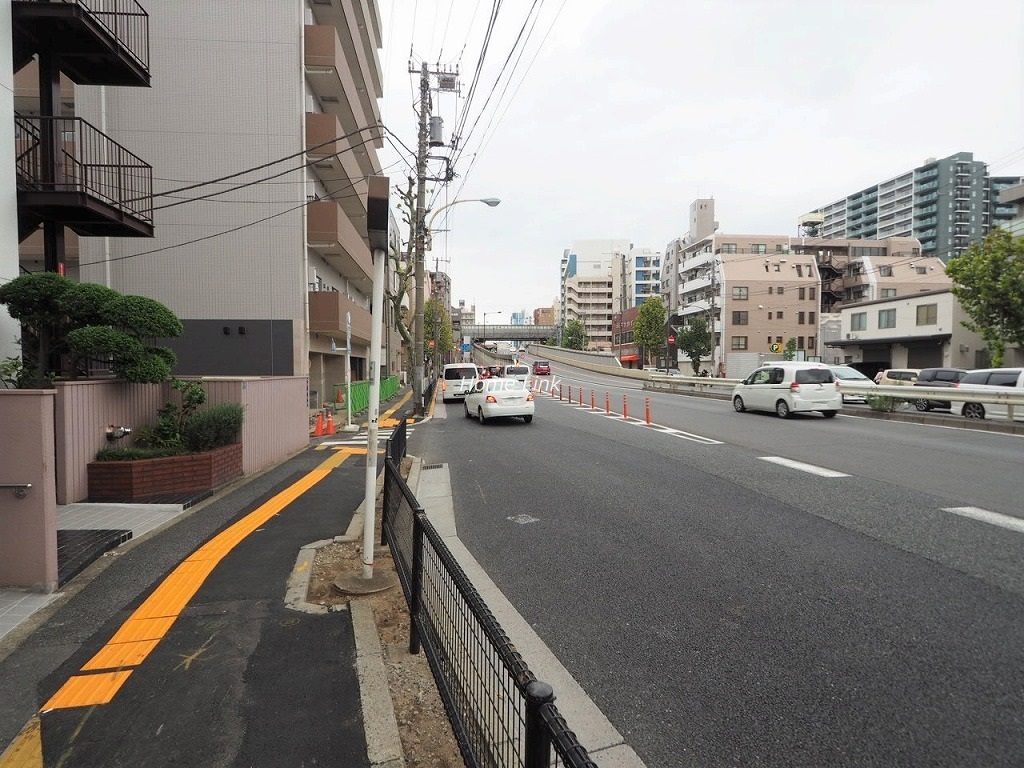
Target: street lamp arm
489	201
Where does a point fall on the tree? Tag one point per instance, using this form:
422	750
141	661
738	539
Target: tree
987	281
575	335
403	269
790	351
437	327
649	327
64	323
694	340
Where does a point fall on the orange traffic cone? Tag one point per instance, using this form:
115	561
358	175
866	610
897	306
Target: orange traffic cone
330	423
319	425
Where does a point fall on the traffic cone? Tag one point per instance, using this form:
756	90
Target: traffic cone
330	423
319	431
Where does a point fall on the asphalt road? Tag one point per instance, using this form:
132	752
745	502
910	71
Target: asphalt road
725	609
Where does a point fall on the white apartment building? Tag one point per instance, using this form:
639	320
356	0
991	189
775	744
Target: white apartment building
591	286
260	129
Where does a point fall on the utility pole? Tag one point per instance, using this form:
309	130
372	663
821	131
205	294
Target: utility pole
421	199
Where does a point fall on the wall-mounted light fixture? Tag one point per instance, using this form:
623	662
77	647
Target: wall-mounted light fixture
227	330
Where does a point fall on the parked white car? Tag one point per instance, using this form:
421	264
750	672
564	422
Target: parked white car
991	380
845	374
494	398
787	387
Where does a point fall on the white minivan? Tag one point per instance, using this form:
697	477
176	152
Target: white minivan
787	387
991	380
457	380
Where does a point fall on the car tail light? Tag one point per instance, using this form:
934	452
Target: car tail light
444	386
529	398
794	387
492	399
837	383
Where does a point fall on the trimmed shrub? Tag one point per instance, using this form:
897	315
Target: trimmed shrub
133	452
213	427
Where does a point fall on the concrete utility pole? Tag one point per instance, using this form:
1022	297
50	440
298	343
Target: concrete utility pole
421	200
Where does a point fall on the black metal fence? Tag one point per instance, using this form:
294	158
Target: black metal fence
500	713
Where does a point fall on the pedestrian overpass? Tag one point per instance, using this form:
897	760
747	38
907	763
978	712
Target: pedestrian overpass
482	332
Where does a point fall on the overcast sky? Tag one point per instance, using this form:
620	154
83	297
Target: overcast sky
619	114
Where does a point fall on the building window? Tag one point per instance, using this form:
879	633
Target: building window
800	318
800	293
799	273
921	270
781	290
728	247
810	318
812	293
739	318
799	342
740	292
888	293
770	290
758	248
885	271
779	315
739	342
928	314
810	342
887	318
769	315
859	321
778	339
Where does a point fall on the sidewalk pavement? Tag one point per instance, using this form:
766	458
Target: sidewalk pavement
192	644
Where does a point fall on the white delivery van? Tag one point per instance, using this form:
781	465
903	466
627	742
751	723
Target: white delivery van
457	380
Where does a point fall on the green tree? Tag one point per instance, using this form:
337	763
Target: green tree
437	327
574	336
649	327
64	323
988	279
694	340
790	351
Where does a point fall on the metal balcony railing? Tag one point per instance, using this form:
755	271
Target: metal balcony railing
125	20
87	161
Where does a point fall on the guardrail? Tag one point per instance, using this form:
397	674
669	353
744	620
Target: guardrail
1011	398
501	714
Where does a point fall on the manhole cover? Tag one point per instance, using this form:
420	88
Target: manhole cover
523	519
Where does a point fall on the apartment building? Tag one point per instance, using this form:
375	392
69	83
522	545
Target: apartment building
757	291
261	130
946	204
591	286
702	223
1014	195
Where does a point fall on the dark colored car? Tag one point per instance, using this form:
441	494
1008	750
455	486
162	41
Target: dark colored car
541	368
937	377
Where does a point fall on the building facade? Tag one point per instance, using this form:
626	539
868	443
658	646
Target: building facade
946	204
591	286
261	130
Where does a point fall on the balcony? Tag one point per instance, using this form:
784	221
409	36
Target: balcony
334	163
327	311
330	79
330	233
97	42
69	172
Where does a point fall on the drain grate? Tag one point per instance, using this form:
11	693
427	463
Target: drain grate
432	466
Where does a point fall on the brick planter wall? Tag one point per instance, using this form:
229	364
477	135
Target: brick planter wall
141	479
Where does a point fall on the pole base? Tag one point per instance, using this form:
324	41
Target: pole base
357	584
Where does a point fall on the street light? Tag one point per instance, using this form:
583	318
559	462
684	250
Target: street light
418	325
485	321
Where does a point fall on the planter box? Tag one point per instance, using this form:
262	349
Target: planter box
143	479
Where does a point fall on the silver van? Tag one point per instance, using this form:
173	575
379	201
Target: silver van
991	380
457	380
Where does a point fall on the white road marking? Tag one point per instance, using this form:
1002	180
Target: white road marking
810	468
656	427
992	518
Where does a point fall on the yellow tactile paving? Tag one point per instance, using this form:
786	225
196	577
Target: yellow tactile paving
26	751
120	655
143	629
87	690
172	595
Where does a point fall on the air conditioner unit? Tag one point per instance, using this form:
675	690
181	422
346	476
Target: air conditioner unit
852	336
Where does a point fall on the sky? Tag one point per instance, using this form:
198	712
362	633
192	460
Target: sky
610	118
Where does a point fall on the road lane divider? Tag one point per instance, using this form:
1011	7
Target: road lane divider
802	467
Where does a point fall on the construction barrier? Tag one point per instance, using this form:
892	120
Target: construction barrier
358	393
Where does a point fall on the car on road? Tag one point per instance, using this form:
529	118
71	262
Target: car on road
991	380
499	398
518	371
788	387
457	380
846	375
937	377
541	368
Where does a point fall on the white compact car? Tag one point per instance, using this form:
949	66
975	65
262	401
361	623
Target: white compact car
787	387
493	398
845	374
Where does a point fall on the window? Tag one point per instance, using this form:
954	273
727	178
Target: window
928	314
812	293
778	315
799	342
740	292
859	321
778	267
781	290
728	247
800	318
739	342
769	315
758	248
885	271
921	270
887	318
810	318
888	293
810	342
778	339
739	318
770	290
799	273
800	293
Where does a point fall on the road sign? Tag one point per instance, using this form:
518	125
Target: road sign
671	339
775	347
